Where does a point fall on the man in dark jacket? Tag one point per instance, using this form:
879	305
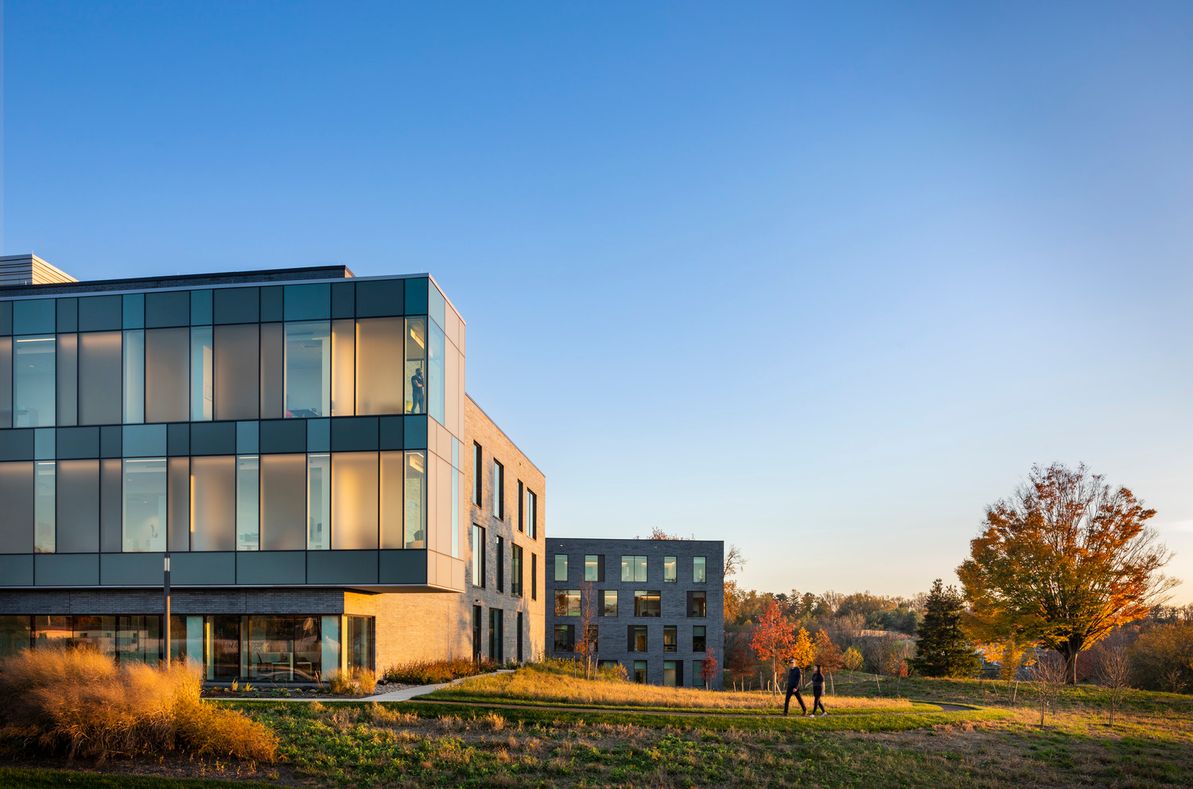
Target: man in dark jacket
794	678
818	691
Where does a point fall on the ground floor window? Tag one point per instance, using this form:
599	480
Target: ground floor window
520	627
361	637
639	672
698	680
496	635
285	648
565	638
673	673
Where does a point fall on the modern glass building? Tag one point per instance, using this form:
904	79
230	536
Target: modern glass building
293	439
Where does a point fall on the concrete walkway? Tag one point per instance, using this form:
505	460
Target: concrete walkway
403	694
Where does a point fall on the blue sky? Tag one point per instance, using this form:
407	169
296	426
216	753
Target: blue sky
820	280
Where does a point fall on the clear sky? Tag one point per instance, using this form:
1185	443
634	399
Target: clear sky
821	280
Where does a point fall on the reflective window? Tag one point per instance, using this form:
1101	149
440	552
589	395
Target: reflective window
416	363
343	367
33	316
144	440
236	371
534	576
639	673
167	398
670	638
15	635
499	550
144	505
565	638
671	674
178	494
283	509
532	514
44	501
307	302
359	644
633	568
393	499
435	382
248	500
416	500
285	648
456	525
478	556
516	571
318	502
134	376
561	567
202	374
697	604
609	602
67	384
698	569
308	369
138	639
498	490
34	397
353	500
636	638
100	374
567	602
213	503
592	567
5	382
669	568
647	603
477	481
78	506
699	640
273	371
378	378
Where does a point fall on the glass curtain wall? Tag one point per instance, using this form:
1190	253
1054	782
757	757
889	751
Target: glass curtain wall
308	369
144	505
34	398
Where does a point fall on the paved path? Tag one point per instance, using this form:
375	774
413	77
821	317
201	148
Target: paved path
944	707
402	694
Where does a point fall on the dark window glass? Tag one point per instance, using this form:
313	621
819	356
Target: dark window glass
565	638
167	368
78	506
285	648
236	372
697	604
699	642
307	302
670	638
647	603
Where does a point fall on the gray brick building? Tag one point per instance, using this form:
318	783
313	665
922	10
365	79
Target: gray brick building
658	606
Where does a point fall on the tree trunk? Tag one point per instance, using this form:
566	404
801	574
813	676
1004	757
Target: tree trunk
1070	650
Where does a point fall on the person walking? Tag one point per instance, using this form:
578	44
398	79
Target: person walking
794	678
818	691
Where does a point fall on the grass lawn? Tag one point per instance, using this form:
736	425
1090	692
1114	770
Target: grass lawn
723	739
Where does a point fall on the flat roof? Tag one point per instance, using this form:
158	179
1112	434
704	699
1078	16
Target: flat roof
296	274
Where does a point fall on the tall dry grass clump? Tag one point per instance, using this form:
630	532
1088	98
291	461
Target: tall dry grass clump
433	672
81	703
357	682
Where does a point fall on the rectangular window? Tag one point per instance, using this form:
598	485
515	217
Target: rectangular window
609	602
672	674
636	640
318	502
178	497
498	491
202	374
561	567
134	377
436	390
640	671
697	604
285	648
404	500
308	369
213	503
647	603
100	374
283	509
5	382
16	491
633	569
698	569
237	378
34	397
416	499
248	502
44	509
532	514
354	499
516	571
565	638
416	362
670	564
378	376
167	396
477	482
477	615
456	524
534	576
478	556
521	508
670	638
594	567
699	642
343	367
496	635
273	375
500	546
698	680
567	602
68	380
78	506
521	627
144	505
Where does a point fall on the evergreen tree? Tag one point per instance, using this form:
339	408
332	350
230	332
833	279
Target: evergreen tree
942	649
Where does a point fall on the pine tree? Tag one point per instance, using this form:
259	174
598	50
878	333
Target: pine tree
942	649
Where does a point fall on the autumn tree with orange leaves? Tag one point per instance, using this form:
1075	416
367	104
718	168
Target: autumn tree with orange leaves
774	640
1062	563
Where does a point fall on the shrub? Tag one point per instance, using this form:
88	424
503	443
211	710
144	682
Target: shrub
434	672
81	703
357	682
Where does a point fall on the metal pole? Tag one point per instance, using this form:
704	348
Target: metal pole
166	594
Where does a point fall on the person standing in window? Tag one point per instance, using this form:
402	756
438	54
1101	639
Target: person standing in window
818	691
794	678
416	391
